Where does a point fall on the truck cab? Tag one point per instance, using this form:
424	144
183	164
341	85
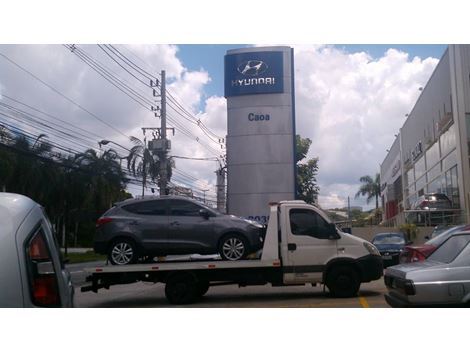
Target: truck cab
314	250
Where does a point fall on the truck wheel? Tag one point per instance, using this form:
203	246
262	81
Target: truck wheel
202	288
233	247
343	281
181	289
122	252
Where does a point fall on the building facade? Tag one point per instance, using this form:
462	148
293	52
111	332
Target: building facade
430	154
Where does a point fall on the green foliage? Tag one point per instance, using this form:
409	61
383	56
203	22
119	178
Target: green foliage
410	231
370	188
88	256
74	190
307	188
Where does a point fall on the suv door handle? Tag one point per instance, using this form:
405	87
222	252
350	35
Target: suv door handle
134	222
291	246
174	223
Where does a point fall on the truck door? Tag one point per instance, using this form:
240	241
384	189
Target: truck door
308	246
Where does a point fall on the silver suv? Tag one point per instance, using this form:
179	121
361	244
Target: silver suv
141	229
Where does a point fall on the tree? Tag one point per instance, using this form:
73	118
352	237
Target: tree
370	188
142	163
307	188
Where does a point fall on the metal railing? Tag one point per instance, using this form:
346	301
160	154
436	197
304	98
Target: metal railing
428	217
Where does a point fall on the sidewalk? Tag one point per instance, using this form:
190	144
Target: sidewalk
76	250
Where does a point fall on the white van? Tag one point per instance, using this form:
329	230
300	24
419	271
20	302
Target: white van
32	273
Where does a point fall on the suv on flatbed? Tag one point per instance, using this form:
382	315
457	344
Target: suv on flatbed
158	226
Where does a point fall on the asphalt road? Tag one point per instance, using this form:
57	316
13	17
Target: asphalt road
146	295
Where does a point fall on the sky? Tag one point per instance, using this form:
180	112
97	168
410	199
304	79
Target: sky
350	101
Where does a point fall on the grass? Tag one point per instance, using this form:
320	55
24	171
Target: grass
89	256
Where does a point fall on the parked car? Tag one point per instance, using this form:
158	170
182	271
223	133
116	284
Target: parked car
442	279
136	229
432	208
390	246
419	253
32	273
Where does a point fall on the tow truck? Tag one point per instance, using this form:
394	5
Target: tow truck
301	246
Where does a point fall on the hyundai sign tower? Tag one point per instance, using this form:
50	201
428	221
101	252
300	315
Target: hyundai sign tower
259	87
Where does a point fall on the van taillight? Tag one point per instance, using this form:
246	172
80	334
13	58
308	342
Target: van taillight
42	275
102	221
45	291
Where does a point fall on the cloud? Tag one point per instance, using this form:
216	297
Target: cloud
350	105
65	72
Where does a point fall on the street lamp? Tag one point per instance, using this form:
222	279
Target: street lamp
105	141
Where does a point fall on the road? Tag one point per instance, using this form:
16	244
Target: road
146	295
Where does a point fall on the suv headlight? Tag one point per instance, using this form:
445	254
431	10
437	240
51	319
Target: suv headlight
371	248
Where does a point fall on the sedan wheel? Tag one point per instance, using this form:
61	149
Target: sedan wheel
233	248
122	253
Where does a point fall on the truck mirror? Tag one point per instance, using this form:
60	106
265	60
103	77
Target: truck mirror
332	233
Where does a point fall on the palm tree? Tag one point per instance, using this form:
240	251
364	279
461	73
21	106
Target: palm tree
142	163
105	178
370	188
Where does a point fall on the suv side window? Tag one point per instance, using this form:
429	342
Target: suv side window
306	222
151	207
183	208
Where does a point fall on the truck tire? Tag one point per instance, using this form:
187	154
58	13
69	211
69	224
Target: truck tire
123	251
181	288
343	281
233	247
202	288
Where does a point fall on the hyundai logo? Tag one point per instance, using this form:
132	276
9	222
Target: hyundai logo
252	67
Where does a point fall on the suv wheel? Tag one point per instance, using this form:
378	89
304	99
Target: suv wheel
122	252
233	247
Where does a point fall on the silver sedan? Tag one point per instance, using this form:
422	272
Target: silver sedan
442	279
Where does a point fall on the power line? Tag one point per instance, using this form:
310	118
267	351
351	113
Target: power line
62	95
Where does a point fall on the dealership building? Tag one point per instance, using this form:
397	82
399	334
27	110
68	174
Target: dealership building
430	154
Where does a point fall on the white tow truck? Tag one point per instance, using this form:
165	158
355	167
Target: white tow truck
301	246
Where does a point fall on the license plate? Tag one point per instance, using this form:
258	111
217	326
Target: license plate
387	257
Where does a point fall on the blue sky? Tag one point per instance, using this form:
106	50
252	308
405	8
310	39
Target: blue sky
210	57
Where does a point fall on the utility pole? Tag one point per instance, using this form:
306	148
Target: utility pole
220	186
163	159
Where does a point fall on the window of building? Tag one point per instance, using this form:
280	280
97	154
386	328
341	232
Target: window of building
434	172
435	186
421	183
449	161
448	140
452	186
410	176
432	155
420	168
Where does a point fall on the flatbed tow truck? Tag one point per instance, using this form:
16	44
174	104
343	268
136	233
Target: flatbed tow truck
302	246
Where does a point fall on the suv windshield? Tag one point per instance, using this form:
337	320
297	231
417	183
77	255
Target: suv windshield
450	249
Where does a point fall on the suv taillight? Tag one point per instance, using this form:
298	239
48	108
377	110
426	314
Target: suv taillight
424	203
42	275
102	221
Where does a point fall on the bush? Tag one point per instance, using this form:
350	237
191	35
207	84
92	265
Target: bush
410	231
